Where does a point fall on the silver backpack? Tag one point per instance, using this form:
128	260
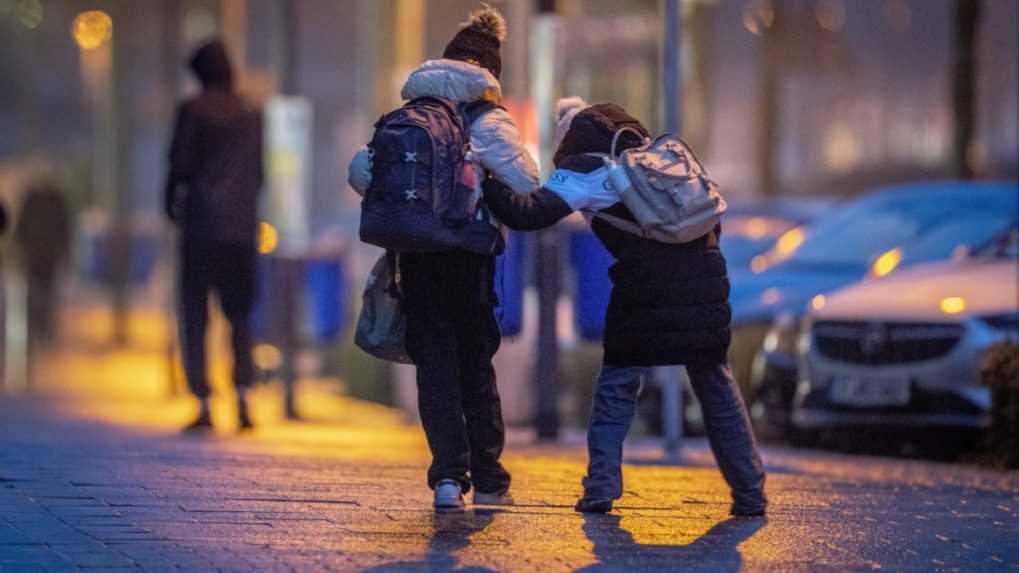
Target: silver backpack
666	189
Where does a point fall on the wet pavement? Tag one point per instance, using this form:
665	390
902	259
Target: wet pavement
93	475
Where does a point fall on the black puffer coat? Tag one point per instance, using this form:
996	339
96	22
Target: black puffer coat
669	303
215	173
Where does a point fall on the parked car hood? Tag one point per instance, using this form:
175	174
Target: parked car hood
931	293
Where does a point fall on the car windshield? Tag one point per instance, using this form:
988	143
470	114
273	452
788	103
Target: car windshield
864	229
968	233
1005	247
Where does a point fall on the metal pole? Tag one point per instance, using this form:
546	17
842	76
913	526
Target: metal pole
291	262
120	129
671	73
547	261
673	378
964	72
171	84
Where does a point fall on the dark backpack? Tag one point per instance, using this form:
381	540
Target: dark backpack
422	199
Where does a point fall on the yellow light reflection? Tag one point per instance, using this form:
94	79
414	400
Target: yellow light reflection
759	264
831	15
771	296
92	29
757	228
953	305
887	262
267	357
818	302
29	13
268	238
758	16
789	242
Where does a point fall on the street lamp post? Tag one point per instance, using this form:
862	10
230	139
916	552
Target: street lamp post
672	379
547	271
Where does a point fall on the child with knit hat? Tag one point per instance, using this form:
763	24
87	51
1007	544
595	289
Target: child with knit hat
448	297
669	305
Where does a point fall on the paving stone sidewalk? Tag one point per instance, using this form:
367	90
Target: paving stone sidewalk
94	476
80	494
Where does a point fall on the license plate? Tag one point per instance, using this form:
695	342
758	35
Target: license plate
870	391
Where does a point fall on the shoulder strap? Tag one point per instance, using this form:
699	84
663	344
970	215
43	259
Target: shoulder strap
475	109
618	222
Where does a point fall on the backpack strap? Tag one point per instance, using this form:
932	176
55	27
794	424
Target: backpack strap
395	287
618	222
475	109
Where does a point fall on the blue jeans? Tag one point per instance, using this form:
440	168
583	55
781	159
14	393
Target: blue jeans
725	420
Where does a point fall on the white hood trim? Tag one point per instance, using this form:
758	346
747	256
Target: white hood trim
453	80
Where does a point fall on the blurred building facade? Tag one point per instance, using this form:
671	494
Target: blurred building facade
863	87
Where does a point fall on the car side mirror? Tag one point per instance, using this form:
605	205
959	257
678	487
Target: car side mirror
962	252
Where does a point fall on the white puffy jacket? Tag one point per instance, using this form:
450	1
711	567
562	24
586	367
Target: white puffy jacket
495	140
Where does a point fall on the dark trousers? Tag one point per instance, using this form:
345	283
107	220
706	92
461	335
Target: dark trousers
228	270
452	336
42	306
725	420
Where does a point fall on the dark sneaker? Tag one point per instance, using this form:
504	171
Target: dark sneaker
201	424
593	505
497	498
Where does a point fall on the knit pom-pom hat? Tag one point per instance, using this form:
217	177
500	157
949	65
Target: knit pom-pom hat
566	109
479	40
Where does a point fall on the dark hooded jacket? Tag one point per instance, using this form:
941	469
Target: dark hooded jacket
215	171
669	303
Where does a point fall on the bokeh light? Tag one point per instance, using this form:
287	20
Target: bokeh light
268	238
771	296
29	13
887	262
92	29
759	264
818	302
757	228
831	15
789	242
953	305
758	16
267	357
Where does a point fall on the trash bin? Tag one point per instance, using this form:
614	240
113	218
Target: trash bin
261	314
326	297
509	285
591	262
97	252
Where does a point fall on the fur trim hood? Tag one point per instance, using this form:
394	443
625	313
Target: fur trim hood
453	80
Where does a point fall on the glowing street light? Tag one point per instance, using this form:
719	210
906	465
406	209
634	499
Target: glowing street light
268	238
92	29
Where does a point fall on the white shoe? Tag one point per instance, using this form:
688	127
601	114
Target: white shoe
498	498
448	495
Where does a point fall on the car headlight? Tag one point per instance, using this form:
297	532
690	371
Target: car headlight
784	334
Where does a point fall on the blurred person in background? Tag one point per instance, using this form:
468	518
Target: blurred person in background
215	176
449	296
669	305
43	244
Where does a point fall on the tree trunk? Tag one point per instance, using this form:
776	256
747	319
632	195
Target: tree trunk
967	17
769	105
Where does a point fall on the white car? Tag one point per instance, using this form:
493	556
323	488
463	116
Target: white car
905	351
